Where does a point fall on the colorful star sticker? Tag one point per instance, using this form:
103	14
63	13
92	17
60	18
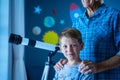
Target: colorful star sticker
62	21
54	11
37	9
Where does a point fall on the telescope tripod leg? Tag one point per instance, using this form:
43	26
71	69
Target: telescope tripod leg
46	71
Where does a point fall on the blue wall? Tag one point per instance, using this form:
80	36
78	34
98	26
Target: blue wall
35	13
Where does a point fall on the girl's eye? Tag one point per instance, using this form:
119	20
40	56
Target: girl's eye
65	46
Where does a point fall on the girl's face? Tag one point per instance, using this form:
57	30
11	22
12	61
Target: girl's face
70	47
87	3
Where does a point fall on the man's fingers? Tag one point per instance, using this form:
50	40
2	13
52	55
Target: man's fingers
84	64
87	67
88	72
64	61
59	65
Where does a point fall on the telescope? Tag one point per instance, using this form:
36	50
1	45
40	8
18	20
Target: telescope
19	40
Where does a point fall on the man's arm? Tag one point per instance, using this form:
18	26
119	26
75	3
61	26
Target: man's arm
90	67
108	64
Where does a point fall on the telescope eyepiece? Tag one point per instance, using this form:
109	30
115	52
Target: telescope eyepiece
57	48
16	39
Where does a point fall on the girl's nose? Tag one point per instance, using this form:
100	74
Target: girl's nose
70	48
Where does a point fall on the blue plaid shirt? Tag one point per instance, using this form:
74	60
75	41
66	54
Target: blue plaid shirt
101	37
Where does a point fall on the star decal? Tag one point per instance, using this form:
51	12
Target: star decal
62	21
37	10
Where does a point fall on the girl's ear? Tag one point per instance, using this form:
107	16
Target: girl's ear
81	46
